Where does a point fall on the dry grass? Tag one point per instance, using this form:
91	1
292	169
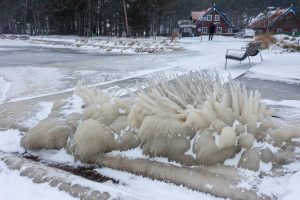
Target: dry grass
266	40
174	36
291	47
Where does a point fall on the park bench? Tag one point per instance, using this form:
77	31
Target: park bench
251	50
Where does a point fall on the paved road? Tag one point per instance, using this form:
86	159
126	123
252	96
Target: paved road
273	90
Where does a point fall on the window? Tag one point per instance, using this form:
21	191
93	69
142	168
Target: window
217	18
204	29
187	30
229	30
279	30
209	17
219	29
295	30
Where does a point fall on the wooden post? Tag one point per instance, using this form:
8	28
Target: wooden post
201	30
126	20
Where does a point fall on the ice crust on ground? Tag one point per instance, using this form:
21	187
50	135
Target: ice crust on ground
219	118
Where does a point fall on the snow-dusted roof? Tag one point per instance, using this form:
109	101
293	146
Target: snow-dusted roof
272	16
198	15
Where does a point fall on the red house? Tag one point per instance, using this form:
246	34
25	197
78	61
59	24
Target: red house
277	21
204	18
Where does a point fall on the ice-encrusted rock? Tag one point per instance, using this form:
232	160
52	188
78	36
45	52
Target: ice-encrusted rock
267	155
246	140
250	159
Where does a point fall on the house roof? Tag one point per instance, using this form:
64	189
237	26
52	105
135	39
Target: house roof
198	16
260	21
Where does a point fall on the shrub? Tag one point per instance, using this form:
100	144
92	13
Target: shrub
291	47
266	40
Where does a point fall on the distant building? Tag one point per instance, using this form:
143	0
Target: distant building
277	21
203	19
186	28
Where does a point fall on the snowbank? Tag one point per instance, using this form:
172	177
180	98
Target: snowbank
293	187
101	44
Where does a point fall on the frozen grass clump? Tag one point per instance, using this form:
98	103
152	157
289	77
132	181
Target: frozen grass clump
48	134
92	139
194	118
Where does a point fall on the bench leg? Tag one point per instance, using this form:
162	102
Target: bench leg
261	59
226	64
249	61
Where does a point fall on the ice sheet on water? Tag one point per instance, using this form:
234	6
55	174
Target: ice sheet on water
44	109
4	87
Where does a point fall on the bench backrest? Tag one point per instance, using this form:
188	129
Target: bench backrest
253	48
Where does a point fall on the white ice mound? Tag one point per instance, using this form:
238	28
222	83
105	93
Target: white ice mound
227	138
207	150
92	139
90	96
168	137
48	134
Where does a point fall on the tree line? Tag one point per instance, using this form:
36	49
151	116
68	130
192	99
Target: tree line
116	17
87	17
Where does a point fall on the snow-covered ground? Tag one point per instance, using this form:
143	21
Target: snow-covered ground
15	187
30	69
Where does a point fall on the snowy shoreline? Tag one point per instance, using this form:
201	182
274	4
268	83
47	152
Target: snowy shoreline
100	44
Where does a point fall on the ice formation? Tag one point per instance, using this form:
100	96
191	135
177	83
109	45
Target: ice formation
193	119
50	133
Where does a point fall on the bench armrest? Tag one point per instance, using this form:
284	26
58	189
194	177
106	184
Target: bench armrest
233	50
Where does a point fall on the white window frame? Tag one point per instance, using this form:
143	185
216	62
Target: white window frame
229	30
217	18
279	30
208	18
219	29
204	29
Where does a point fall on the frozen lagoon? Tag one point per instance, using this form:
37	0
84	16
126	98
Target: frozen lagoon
35	70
